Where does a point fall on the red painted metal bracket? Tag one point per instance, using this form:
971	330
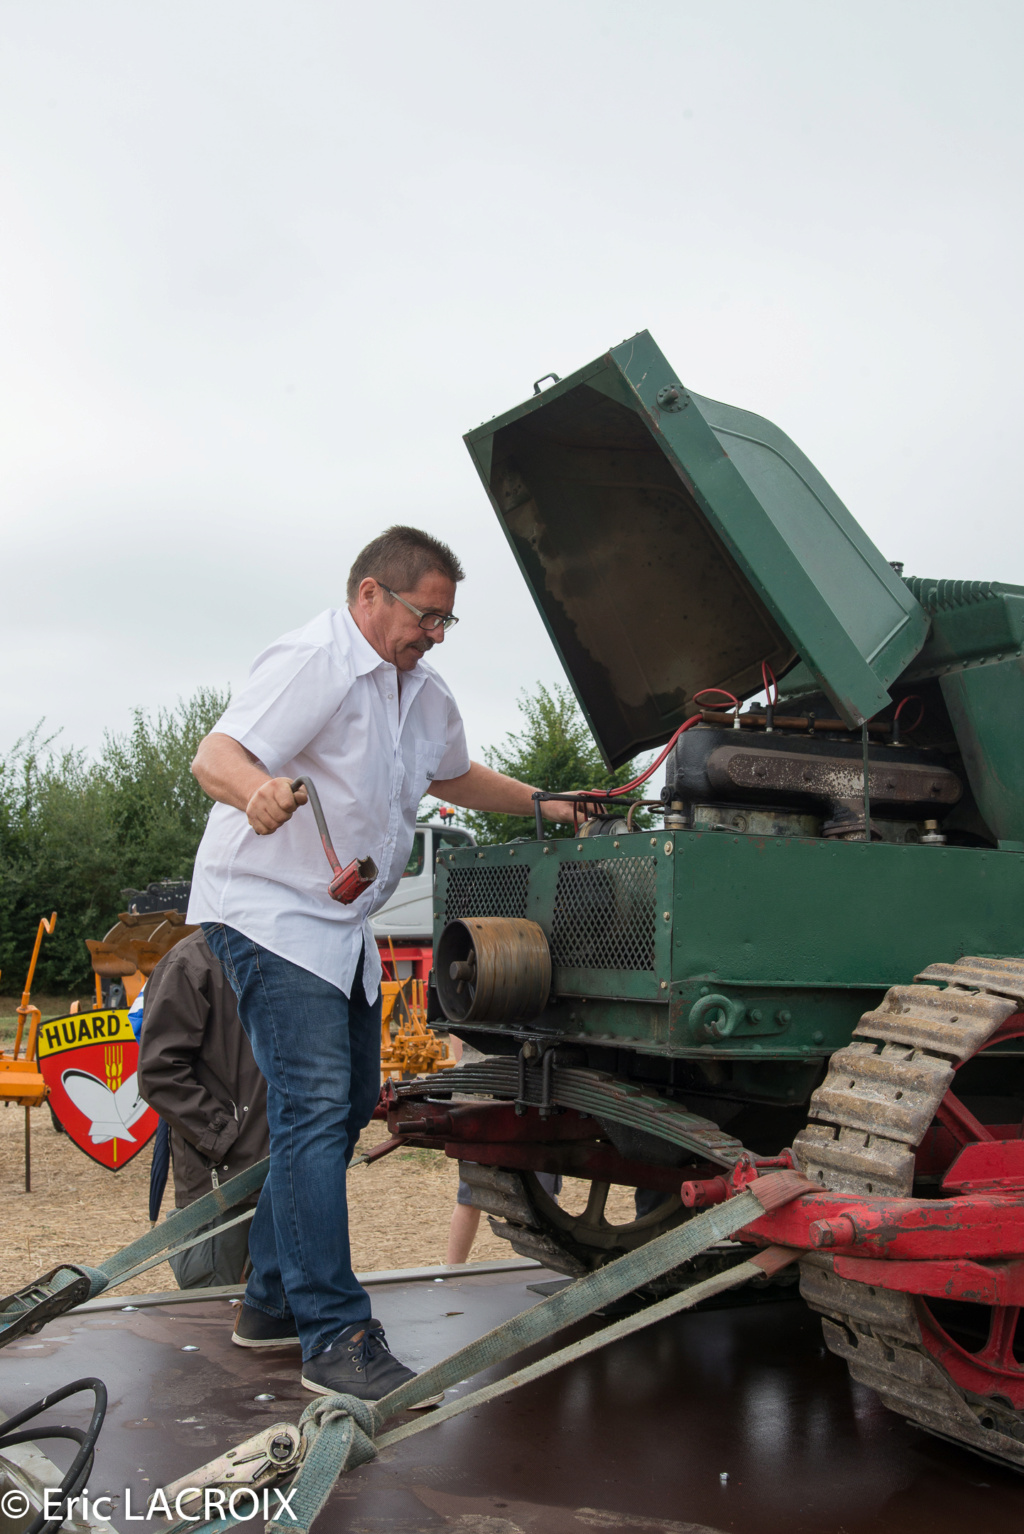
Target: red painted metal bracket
966	1247
975	1225
987	1166
991	1283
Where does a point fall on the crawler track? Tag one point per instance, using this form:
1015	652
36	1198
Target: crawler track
878	1099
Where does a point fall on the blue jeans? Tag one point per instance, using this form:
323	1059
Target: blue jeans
319	1052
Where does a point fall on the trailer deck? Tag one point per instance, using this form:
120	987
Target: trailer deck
635	1438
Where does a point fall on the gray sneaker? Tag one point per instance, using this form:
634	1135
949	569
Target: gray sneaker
359	1363
256	1329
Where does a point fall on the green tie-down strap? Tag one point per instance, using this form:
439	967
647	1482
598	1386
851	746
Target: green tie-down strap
337	1436
341	1432
595	1291
64	1287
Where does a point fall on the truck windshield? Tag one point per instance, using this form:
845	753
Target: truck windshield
414	867
451	838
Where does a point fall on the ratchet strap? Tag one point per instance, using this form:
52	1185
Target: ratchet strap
64	1287
340	1432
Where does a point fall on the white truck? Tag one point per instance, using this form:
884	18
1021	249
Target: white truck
408	917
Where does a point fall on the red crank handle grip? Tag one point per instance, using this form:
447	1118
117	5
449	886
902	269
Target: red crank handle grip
355	877
348	882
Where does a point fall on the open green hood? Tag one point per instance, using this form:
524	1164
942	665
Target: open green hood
674	543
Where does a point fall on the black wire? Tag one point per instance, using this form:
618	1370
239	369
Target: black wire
78	1472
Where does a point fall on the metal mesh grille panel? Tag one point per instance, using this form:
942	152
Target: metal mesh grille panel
486	892
604	914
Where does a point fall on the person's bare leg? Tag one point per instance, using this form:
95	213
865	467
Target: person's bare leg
462	1232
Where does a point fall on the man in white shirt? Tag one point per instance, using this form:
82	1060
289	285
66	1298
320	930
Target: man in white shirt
349	701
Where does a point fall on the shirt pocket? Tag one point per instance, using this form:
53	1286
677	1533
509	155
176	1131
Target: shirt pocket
427	761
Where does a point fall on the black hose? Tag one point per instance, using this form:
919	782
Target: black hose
77	1474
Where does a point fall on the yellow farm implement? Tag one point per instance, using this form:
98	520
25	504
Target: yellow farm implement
408	1047
20	1078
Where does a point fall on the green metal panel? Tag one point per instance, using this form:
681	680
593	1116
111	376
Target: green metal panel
986	705
976	649
623	916
673	543
971	622
782	910
796	937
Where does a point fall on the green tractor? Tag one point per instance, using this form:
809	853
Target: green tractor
816	956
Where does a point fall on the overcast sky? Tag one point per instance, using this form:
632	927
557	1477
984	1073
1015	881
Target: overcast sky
264	263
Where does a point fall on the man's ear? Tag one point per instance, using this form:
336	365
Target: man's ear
368	593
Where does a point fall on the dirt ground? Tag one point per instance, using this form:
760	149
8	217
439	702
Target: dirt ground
78	1211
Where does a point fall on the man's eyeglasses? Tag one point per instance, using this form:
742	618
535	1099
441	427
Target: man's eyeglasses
429	622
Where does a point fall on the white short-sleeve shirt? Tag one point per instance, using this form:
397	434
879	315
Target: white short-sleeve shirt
320	702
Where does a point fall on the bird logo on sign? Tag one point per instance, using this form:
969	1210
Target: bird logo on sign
111	1111
90	1064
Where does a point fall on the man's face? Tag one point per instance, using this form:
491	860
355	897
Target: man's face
392	629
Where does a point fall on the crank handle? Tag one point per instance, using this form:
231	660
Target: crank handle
348	882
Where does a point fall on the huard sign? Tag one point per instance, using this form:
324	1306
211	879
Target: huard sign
90	1064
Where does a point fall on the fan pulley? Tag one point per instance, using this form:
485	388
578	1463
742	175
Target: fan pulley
494	969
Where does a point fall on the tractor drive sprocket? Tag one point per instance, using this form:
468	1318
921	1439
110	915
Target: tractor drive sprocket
880	1098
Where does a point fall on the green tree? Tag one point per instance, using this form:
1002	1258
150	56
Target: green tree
75	832
158	812
554	750
57	853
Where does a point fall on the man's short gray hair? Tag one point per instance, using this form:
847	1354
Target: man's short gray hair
400	558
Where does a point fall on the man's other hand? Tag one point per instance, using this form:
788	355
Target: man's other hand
557	810
273	803
481	788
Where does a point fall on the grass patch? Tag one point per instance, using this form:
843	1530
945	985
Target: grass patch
49	1006
420	1156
